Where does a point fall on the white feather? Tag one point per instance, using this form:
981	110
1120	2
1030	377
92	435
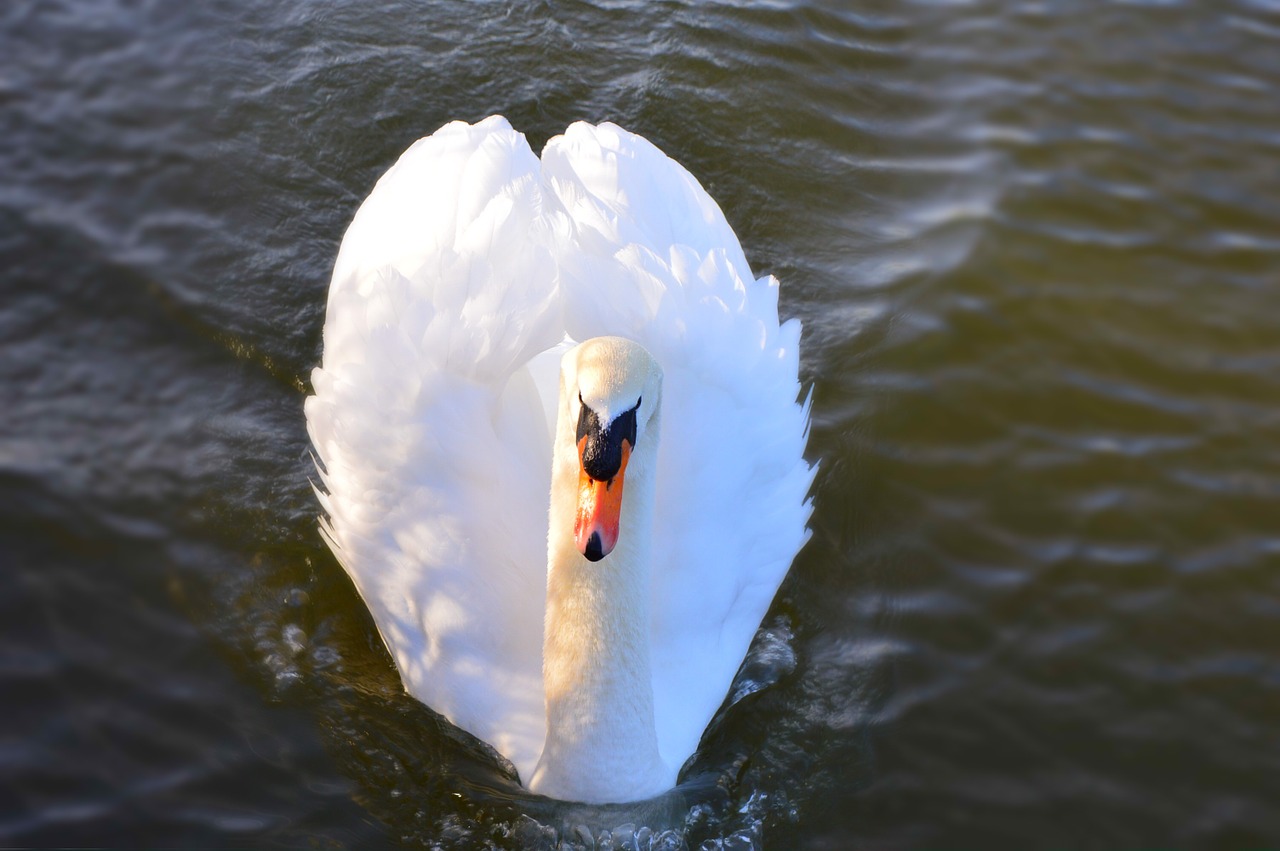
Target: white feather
458	280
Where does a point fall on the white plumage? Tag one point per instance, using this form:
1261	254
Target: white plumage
454	291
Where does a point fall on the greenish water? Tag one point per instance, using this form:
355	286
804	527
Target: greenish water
1036	250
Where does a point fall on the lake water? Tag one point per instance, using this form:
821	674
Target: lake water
1036	250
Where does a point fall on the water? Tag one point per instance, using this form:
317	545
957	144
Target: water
1036	250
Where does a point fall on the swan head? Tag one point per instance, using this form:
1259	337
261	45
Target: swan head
611	392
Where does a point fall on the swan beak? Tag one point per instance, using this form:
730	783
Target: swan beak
599	508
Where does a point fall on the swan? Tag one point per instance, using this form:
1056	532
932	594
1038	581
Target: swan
560	446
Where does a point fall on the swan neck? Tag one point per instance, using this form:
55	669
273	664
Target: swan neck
601	744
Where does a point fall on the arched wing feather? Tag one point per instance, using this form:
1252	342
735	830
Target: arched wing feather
652	258
426	425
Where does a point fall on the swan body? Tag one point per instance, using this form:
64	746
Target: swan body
454	418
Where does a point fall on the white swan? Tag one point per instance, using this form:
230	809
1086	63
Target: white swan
447	434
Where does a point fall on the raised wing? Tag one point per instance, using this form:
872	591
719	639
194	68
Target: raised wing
427	425
651	257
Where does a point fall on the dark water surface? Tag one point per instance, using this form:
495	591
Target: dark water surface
1036	250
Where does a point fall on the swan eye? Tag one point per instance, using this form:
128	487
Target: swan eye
588	422
625	424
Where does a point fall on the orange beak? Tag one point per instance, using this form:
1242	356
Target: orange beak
595	530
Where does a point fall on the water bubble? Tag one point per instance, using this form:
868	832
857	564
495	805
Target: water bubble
295	639
324	656
668	840
624	837
770	658
530	833
701	817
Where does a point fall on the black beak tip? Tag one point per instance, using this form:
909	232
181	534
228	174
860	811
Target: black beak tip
595	549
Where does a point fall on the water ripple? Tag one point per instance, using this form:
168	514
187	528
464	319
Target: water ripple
1035	255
